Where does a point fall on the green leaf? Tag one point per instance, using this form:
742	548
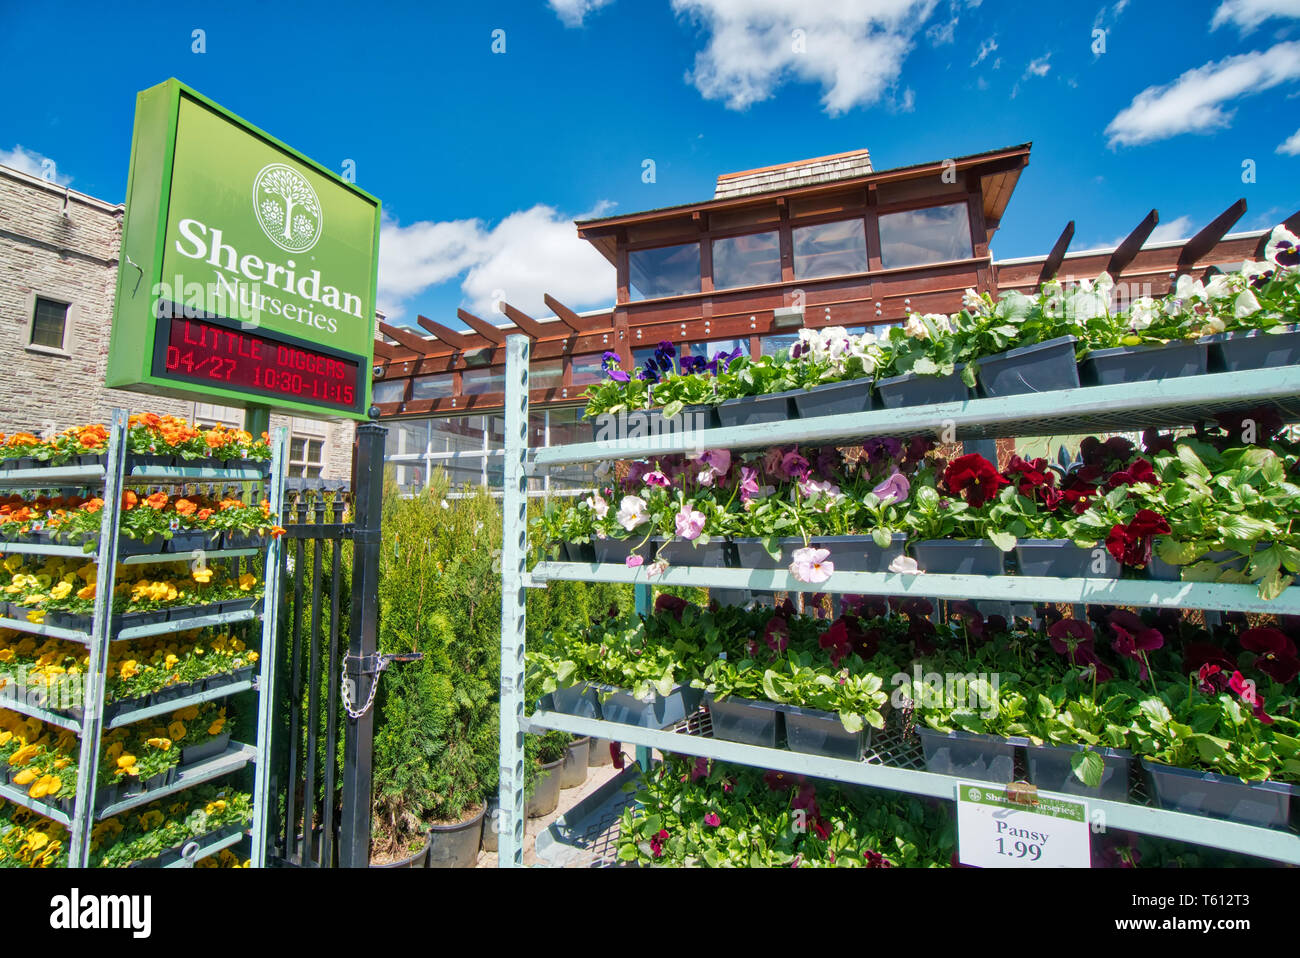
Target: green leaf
1191	462
851	721
1088	766
673	409
627	853
1003	540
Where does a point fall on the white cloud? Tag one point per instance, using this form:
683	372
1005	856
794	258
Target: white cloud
1291	145
1108	15
1246	15
1039	67
942	34
853	48
987	47
1194	102
573	12
528	253
29	161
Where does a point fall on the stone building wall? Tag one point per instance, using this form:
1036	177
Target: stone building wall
61	245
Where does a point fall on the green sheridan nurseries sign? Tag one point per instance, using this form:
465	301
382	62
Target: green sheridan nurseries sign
248	272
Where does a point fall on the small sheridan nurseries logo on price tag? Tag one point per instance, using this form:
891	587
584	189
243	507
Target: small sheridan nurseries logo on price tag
996	831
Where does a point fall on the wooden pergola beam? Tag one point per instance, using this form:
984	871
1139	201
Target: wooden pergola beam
1204	241
383	350
407	338
482	327
1127	250
455	340
532	327
1052	265
579	324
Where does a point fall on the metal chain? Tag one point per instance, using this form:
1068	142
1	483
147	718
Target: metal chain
381	663
354	713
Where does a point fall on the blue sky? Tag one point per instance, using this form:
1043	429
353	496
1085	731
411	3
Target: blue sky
483	159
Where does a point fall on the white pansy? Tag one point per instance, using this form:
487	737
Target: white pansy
972	300
1143	312
915	327
632	512
598	505
1104	284
1189	288
1245	305
940	322
1279	236
1219	287
1251	269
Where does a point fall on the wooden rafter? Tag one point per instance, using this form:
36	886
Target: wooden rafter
1204	241
407	338
1052	265
383	350
482	327
532	327
455	340
1132	244
579	324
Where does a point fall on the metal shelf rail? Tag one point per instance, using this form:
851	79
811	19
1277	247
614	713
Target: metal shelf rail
1165	404
112	478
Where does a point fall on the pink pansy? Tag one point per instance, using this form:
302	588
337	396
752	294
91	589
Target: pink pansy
598	505
656	568
712	820
657	478
690	523
719	460
894	489
634	560
811	565
706	477
812	487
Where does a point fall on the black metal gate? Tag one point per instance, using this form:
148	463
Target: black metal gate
327	618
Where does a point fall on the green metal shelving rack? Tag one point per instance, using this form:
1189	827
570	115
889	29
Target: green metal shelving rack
1119	408
113	478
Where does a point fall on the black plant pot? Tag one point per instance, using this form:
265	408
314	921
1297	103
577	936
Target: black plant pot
715	554
491	823
753	410
92	459
815	732
833	399
959	556
188	540
130	620
619	705
1049	769
579	552
74	621
913	390
241	540
1062	559
1142	364
192	754
419	859
1161	571
616	551
127	546
456	845
1266	804
861	553
1255	349
750	554
578	699
136	461
747	721
231	605
1043	367
967	755
701	416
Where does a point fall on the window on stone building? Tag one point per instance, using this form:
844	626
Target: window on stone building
208	415
49	323
306	456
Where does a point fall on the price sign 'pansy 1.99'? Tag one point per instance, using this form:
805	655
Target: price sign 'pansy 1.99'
248	272
996	831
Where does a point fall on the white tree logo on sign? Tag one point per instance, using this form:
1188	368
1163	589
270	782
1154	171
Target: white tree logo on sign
287	208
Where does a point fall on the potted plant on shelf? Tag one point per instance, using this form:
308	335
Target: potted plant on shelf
921	366
1210	746
975	736
952	522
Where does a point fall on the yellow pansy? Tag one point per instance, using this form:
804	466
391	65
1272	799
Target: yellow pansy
247	580
176	730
